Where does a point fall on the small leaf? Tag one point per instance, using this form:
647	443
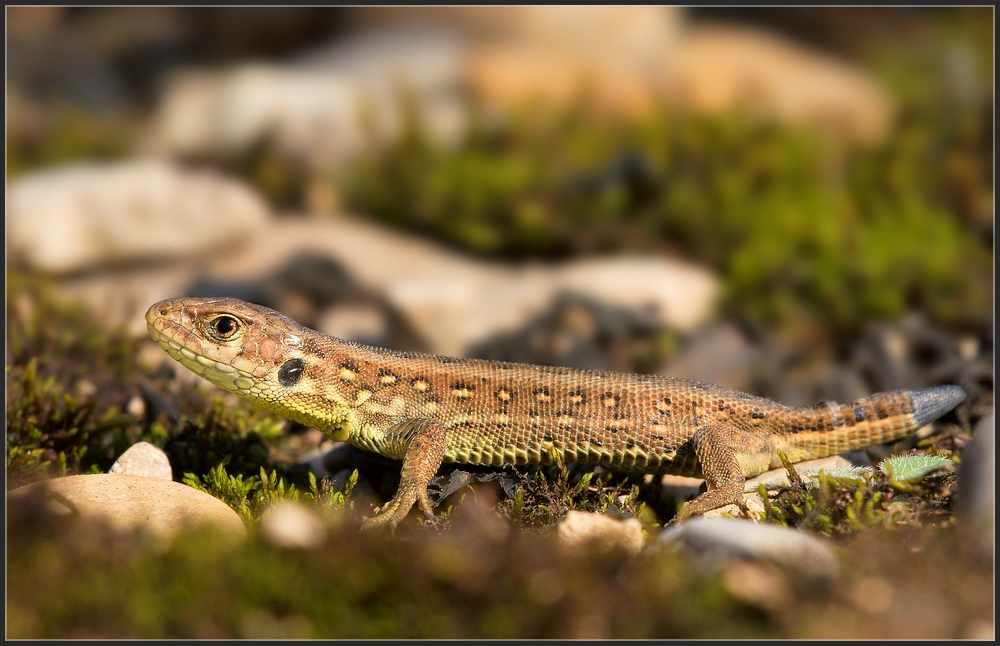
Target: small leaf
909	468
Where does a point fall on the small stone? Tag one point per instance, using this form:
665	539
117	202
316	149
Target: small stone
136	407
144	459
291	525
128	502
581	528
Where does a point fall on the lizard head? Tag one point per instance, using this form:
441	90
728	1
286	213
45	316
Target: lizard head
260	354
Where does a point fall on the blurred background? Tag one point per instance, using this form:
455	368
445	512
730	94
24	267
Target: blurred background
793	202
747	196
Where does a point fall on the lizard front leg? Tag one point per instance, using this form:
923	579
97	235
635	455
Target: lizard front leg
424	442
727	456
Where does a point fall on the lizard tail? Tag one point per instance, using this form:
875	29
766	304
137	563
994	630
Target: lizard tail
931	403
830	428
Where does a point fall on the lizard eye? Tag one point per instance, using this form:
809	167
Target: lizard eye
225	326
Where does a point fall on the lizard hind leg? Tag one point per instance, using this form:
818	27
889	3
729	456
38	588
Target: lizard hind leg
727	456
424	440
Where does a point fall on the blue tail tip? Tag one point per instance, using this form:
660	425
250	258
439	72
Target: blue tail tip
931	403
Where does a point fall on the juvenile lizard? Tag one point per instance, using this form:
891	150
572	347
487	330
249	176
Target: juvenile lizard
426	409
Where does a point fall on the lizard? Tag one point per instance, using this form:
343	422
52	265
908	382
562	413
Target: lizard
424	409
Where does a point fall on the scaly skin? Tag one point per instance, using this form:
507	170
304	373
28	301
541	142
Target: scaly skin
426	409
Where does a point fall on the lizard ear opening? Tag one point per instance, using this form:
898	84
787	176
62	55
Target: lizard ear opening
291	371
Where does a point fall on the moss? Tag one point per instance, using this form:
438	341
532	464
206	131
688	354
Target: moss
68	385
841	507
70	382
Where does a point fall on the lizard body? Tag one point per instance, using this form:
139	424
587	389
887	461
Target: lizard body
426	409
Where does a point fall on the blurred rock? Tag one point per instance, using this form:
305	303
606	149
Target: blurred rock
780	476
977	488
977	377
721	355
316	291
630	59
545	57
143	459
577	332
100	58
452	301
292	526
713	544
88	216
338	461
127	502
212	114
320	108
429	297
717	68
328	460
909	353
587	530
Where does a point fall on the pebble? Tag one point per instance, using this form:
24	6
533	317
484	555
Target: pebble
143	459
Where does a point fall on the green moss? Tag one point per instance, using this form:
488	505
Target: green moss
251	496
843	506
69	384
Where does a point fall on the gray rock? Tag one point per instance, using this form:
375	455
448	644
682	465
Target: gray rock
576	332
143	459
87	216
160	508
713	543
